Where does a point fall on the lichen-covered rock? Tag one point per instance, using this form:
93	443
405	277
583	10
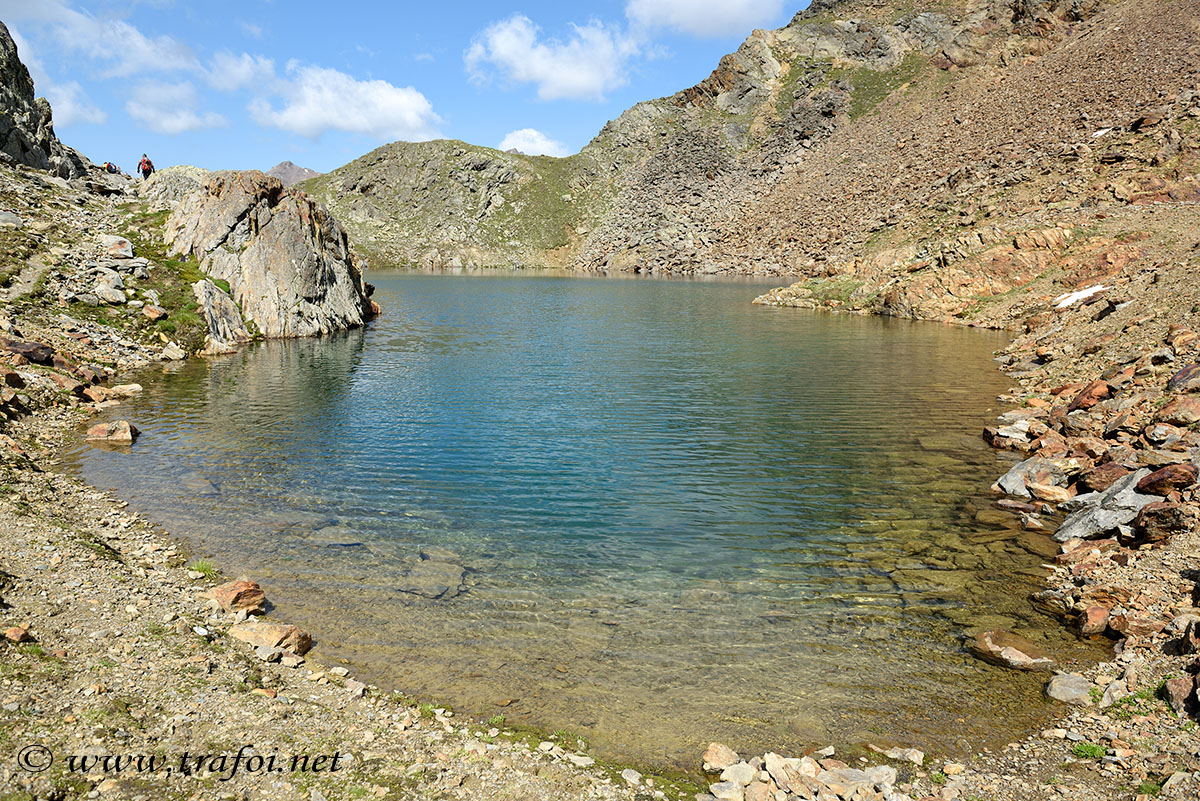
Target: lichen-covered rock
26	124
288	263
226	329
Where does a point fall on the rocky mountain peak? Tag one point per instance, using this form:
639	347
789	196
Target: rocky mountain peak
26	123
290	174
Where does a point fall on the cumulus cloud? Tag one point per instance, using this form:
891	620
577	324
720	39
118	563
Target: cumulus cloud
594	60
229	73
170	108
123	48
318	99
704	17
533	142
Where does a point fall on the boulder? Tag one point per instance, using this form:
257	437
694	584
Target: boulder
273	635
1168	479
226	330
1103	512
1006	649
1178	692
240	596
155	313
1093	621
1183	411
116	247
168	186
1158	522
1070	688
288	262
27	124
119	431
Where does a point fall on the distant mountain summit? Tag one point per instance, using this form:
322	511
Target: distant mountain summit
290	174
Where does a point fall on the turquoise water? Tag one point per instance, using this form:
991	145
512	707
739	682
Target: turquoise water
646	512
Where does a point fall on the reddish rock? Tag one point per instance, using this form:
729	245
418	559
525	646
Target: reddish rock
18	634
67	384
1169	478
1010	650
1094	620
1178	693
273	635
1090	395
238	596
1131	625
118	431
1158	522
1103	476
61	361
155	313
718	757
1183	411
96	394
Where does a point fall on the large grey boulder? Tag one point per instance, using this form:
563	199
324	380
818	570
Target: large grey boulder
26	123
287	261
1101	512
226	329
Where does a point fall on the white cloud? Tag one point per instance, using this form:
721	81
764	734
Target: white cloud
318	99
250	29
71	106
734	18
533	142
229	73
169	108
593	61
126	50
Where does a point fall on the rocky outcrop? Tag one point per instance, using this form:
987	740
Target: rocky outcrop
166	187
288	264
26	124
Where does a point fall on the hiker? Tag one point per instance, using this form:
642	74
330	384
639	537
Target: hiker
146	167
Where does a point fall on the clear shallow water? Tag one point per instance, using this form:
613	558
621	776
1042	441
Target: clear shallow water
681	517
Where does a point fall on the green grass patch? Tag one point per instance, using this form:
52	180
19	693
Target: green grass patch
1089	751
204	567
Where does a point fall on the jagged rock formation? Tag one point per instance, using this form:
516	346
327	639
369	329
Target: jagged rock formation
290	173
288	264
226	329
26	124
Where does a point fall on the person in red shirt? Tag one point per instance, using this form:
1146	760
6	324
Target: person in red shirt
146	167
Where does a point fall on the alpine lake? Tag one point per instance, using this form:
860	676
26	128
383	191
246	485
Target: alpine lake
644	512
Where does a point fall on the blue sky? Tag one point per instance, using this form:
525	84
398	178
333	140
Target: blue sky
247	84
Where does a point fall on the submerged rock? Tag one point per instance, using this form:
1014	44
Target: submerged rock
436	574
1006	649
119	431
